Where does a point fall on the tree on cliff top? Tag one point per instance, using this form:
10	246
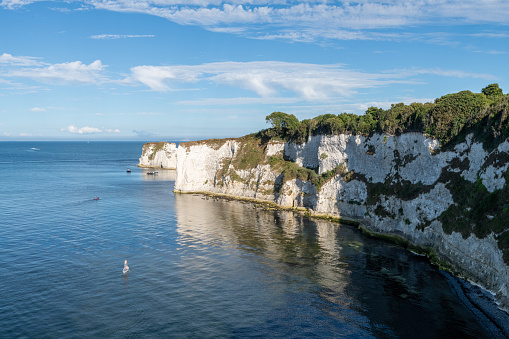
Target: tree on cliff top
283	124
492	90
448	119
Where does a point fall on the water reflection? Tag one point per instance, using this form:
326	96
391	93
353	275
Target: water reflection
158	174
349	284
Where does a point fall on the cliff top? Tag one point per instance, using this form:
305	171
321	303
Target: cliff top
449	119
212	143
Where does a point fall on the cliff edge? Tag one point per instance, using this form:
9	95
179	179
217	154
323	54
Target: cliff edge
159	155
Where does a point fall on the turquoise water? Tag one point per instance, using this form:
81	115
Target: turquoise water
200	268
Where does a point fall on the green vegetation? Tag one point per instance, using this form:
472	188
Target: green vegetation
290	170
478	211
449	119
157	146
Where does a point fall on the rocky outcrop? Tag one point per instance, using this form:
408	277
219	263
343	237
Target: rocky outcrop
205	168
159	155
400	185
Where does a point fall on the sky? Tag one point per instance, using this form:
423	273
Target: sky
174	70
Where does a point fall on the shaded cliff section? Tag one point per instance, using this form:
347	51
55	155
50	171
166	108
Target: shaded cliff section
453	201
159	155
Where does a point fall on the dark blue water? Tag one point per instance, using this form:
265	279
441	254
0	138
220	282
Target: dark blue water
200	268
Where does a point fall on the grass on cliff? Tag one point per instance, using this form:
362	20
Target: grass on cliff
250	154
157	146
212	143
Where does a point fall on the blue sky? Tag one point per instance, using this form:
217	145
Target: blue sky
183	70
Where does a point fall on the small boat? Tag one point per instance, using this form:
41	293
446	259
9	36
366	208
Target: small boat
128	170
96	198
151	173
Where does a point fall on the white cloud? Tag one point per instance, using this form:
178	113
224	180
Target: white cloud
156	77
11	4
366	14
269	79
38	109
118	36
88	130
81	130
8	59
68	72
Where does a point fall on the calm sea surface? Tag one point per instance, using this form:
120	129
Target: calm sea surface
200	268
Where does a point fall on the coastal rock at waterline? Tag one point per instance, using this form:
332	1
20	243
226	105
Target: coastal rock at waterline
159	155
399	185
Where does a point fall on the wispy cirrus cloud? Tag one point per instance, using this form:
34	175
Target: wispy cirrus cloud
67	72
12	4
311	82
119	36
367	14
267	79
305	21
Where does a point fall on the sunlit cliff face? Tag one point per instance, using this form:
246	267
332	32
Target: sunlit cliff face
403	185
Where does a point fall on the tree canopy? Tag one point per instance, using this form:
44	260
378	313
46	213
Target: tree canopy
492	90
448	119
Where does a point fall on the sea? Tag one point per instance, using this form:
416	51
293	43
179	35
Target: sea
200	267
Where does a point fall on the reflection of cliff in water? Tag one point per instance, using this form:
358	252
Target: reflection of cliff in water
159	174
377	286
281	236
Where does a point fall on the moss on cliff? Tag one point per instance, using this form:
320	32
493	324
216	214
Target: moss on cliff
290	171
477	211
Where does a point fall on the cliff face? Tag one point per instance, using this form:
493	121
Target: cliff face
159	155
211	168
452	202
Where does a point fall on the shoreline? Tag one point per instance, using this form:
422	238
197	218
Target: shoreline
159	167
477	299
481	303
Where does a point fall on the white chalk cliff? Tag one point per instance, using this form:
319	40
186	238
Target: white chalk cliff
159	155
398	185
